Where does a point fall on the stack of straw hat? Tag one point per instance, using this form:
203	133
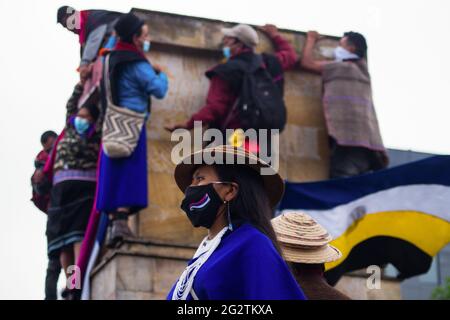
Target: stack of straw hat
303	240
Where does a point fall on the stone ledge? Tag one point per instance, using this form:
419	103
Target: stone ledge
355	286
145	248
138	270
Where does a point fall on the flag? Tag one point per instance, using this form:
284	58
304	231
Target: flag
399	215
101	232
91	237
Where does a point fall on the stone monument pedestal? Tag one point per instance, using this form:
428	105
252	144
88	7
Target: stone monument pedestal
138	270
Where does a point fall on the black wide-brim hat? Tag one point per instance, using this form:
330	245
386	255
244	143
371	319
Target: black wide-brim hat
273	183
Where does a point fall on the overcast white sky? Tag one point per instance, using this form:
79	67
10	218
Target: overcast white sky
409	62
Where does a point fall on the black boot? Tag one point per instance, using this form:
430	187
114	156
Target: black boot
118	229
65	294
75	294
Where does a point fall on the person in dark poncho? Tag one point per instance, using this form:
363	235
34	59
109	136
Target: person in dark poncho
74	180
240	258
356	145
304	244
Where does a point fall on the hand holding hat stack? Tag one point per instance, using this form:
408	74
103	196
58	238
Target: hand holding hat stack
303	240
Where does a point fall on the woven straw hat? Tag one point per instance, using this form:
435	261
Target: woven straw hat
273	183
303	240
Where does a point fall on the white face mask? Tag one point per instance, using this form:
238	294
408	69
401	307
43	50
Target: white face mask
341	54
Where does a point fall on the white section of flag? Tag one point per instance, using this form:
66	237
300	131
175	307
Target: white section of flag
427	198
86	292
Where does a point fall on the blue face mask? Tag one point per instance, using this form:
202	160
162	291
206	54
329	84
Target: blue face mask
146	46
81	125
226	52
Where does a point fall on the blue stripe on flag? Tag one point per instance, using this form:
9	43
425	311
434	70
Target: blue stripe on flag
102	227
331	193
99	238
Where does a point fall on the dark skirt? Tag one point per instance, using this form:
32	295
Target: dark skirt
123	181
68	215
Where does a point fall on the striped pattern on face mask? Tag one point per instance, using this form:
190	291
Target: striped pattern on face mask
200	204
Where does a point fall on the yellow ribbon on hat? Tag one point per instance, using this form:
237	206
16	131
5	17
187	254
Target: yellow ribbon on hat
237	138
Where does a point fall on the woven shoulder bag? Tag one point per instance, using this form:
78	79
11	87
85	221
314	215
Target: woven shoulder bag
121	127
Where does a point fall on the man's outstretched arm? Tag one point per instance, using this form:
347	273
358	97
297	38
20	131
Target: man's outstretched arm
307	61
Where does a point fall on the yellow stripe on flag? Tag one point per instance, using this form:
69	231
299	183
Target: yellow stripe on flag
427	232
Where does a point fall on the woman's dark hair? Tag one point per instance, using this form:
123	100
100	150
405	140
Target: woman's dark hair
128	26
94	111
129	39
358	41
251	203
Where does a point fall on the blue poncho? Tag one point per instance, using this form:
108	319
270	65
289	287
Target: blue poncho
245	266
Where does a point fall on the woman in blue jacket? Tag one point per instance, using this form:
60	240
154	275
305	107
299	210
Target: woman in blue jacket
240	258
122	188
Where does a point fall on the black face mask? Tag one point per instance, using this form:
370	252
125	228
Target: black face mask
201	204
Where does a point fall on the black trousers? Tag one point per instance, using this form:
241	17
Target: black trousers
351	161
51	279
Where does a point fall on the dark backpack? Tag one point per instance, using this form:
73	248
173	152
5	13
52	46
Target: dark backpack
41	190
260	104
40	184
